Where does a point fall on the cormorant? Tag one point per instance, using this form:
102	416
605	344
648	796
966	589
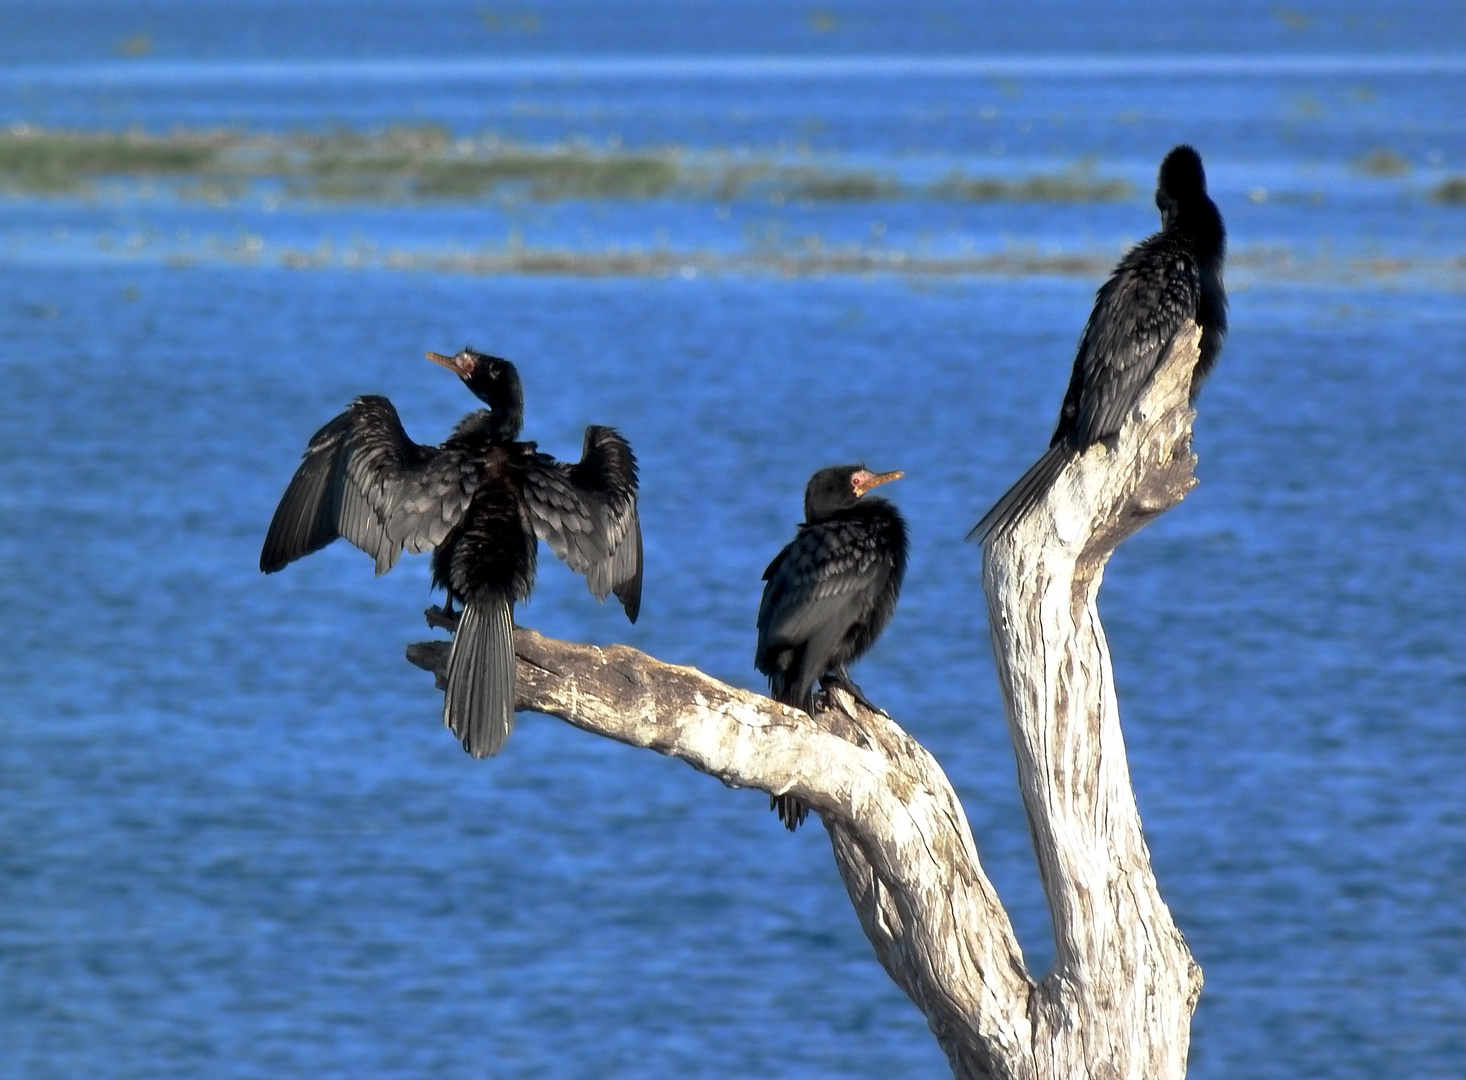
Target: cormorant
1163	284
478	502
829	594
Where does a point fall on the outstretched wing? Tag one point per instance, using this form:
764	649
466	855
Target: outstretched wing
586	512
1152	295
364	479
818	587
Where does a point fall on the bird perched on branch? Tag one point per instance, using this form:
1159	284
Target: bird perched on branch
829	594
479	502
1163	284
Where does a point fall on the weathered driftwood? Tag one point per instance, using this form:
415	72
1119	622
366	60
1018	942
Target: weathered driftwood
1118	1001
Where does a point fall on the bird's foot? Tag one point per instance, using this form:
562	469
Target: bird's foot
833	680
442	618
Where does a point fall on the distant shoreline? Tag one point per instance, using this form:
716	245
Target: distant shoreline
788	67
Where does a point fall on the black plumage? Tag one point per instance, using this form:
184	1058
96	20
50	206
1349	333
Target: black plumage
479	502
1161	286
829	593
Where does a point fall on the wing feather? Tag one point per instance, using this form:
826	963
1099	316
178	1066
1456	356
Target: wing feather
587	514
362	478
1152	296
819	581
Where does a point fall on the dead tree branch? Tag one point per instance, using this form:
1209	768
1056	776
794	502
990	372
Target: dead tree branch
900	837
1119	999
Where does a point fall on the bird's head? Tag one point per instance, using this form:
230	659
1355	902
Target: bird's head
1180	185
840	487
492	380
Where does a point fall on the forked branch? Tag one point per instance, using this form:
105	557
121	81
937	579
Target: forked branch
1119	999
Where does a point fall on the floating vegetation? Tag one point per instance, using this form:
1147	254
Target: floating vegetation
396	165
552	176
801	256
543	176
847	187
1075	187
60	162
426	163
1250	266
1451	193
1382	163
519	261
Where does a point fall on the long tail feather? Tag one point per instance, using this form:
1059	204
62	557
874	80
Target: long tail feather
792	812
1024	495
478	705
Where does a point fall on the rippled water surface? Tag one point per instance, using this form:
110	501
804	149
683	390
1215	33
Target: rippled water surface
235	840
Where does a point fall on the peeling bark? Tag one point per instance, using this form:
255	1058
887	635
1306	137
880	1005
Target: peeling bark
1119	999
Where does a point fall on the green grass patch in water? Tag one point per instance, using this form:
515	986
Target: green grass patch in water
1382	163
1060	188
1452	192
46	162
427	163
846	187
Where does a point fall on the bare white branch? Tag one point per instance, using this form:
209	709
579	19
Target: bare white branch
1118	1002
1124	984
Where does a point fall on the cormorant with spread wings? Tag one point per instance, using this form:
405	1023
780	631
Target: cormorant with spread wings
829	593
479	502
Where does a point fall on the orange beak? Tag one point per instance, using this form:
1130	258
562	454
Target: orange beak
460	365
864	480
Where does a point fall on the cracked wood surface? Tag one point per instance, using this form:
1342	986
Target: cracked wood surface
1119	999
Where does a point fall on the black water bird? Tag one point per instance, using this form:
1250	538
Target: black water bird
829	594
1162	285
479	502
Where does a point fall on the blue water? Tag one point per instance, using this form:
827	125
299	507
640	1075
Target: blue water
235	840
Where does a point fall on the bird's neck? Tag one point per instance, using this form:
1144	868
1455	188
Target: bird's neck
505	418
499	426
866	506
506	422
1201	223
